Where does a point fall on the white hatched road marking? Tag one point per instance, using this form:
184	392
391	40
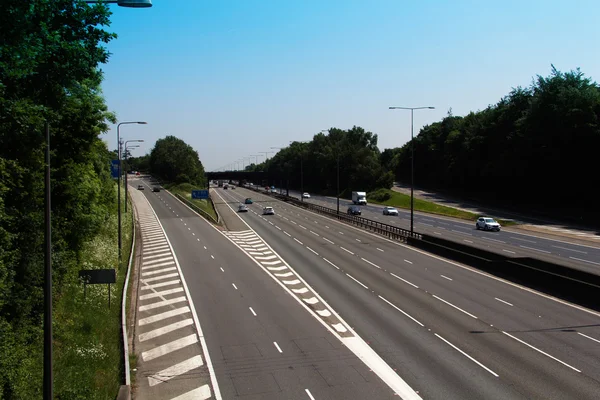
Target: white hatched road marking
175	370
169	347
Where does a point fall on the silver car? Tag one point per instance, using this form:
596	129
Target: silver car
390	211
268	211
487	224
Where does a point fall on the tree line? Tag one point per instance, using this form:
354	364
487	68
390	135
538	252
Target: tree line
536	149
49	59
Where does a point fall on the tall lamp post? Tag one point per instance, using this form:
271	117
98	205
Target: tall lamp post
119	179
126	165
412	160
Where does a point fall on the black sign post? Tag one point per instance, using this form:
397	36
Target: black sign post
98	276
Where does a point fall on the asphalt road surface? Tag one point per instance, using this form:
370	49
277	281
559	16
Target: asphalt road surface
451	332
507	242
269	336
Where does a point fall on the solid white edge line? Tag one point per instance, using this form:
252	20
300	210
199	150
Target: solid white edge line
468	356
356	344
452	305
540	351
199	332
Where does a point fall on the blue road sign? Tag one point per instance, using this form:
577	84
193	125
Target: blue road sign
200	194
114	168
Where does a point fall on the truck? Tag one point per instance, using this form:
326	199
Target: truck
359	198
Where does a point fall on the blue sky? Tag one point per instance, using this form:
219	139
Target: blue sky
234	78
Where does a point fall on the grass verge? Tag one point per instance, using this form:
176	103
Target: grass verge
185	189
88	360
400	200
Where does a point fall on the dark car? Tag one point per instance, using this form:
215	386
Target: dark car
354	210
156	189
248	201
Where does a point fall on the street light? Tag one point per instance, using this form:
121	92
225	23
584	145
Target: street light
127	141
266	153
119	178
412	160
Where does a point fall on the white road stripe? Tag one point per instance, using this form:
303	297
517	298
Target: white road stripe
175	370
252	311
201	393
147	263
502	301
533	248
161	294
468	356
284	274
271	262
524	240
346	250
379	249
160	278
298	241
494	240
357	281
339	327
158	271
165	315
328	240
589	337
300	291
292	282
312	250
332	264
165	329
402	311
302	227
170	347
310	396
452	305
565	248
158	265
324	313
445	277
277	346
410	262
287	233
158	249
540	351
314	233
162	303
265	257
158	285
587	261
235	287
312	300
276	268
403	280
508	251
369	262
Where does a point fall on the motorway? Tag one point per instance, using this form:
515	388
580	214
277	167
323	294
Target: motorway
508	242
264	341
448	330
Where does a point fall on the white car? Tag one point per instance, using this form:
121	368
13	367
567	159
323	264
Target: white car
305	195
487	224
390	211
243	208
268	211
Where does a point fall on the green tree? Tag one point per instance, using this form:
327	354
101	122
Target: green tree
175	161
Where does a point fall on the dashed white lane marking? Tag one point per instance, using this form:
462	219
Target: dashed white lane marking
252	311
502	301
314	233
298	241
170	347
357	281
540	351
346	250
277	347
494	240
303	227
312	250
523	240
589	337
330	263
533	248
445	277
379	249
468	356
175	370
573	250
310	396
437	233
369	262
358	240
402	311
461	232
340	232
204	247
452	305
410	262
508	251
403	280
468	241
328	240
235	287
